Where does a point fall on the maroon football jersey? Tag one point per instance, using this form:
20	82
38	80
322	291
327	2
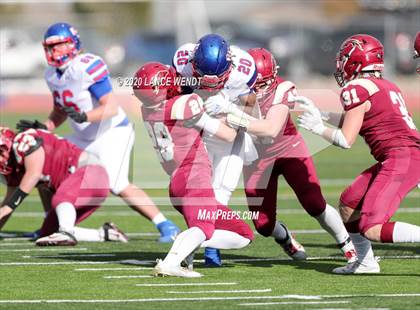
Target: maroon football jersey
176	143
61	157
288	135
387	124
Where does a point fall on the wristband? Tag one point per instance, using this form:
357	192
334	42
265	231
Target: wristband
14	200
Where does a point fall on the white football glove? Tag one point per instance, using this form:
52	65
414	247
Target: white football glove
218	104
312	119
237	122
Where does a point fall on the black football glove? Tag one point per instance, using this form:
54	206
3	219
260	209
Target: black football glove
78	117
24	124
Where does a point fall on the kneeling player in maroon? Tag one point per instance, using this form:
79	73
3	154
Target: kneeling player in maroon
375	109
37	156
174	124
282	151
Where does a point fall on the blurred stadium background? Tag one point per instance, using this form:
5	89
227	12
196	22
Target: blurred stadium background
303	35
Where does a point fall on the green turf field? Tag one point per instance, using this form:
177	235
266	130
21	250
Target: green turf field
97	275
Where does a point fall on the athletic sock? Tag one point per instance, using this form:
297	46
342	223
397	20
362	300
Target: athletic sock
88	234
225	240
363	248
66	214
280	232
331	221
400	232
184	244
159	218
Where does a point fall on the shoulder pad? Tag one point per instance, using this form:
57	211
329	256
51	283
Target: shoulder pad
283	91
356	92
186	107
182	57
26	143
92	66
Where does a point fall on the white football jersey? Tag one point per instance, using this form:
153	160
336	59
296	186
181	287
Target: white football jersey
241	79
71	88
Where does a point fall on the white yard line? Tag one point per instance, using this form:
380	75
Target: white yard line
187	284
58	263
37	249
126	277
36	301
148	262
71	255
112	269
295	303
221	292
6	244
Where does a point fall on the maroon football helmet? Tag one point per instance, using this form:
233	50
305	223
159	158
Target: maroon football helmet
154	83
6	143
358	53
417	49
266	68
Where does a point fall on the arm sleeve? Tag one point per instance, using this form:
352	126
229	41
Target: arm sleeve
100	88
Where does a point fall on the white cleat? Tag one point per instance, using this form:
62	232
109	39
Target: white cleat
113	233
357	267
61	238
161	270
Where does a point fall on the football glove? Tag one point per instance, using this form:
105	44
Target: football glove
217	104
24	124
78	117
237	122
312	119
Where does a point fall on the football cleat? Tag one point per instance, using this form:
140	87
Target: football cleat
61	238
293	248
113	233
357	267
168	231
212	257
161	270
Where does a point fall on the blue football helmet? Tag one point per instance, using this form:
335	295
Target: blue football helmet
212	61
57	54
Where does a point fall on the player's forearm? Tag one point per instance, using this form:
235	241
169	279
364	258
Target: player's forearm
333	118
101	113
55	119
272	124
108	108
225	133
264	128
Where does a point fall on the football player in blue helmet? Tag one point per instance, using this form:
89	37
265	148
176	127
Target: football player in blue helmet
212	61
82	91
61	44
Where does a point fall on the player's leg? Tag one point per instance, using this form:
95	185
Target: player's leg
113	149
231	232
77	197
300	174
350	203
191	195
399	174
261	180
